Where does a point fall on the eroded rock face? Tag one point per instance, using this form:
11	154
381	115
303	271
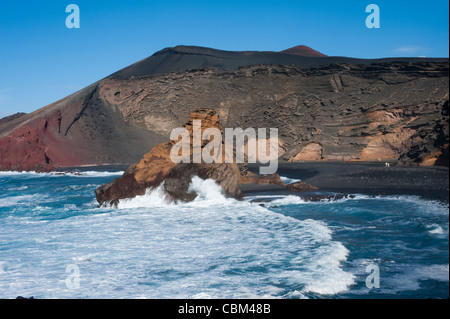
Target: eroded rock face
226	175
356	109
301	187
149	172
156	167
311	152
390	111
81	129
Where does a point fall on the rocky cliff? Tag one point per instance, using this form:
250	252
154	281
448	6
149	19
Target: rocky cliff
157	168
326	108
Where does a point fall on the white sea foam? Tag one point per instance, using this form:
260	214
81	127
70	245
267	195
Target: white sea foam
14	173
69	188
2	268
94	174
429	207
33	174
208	192
21	199
331	279
426	205
212	247
288	180
152	198
321	263
435	229
411	275
286	200
20	188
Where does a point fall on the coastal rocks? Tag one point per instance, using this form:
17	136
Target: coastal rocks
226	175
149	172
78	130
250	177
301	187
25	149
430	140
311	152
157	168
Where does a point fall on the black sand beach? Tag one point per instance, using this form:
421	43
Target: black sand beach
430	182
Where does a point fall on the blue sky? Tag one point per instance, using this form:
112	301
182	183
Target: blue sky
42	61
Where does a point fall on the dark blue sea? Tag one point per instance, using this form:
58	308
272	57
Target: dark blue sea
56	243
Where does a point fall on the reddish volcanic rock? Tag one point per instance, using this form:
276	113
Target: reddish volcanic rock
250	177
149	172
301	187
81	129
11	117
326	108
157	167
32	146
304	51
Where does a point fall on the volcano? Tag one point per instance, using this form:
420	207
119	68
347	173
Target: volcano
303	50
326	108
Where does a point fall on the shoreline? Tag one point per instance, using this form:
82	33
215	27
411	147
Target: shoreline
430	182
342	178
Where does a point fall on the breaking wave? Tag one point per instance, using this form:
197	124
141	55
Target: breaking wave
288	180
213	246
249	243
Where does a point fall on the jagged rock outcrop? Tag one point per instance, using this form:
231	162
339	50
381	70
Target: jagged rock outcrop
301	187
326	108
80	129
381	112
157	167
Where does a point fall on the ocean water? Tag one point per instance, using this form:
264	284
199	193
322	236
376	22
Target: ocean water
56	243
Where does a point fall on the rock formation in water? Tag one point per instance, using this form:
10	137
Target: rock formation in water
326	108
156	168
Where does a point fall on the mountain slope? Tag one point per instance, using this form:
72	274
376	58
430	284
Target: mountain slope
303	50
181	58
324	108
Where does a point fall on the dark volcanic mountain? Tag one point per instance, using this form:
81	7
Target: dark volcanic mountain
11	117
304	51
326	108
182	58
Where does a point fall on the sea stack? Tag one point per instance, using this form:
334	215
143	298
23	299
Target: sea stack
157	167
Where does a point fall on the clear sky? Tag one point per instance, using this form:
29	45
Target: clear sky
41	60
